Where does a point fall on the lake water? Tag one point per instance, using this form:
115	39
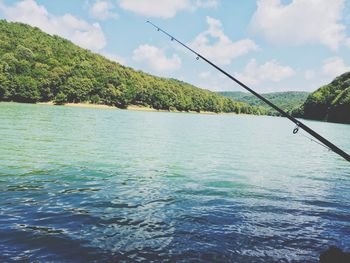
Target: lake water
80	185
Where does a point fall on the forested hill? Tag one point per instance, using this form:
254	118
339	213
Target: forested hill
37	67
329	103
286	100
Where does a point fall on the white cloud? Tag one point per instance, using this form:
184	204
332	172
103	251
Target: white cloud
102	10
156	58
155	8
334	67
223	51
267	77
347	43
215	81
254	74
79	31
164	8
309	74
207	3
300	22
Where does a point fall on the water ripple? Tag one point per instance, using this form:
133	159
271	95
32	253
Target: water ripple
80	185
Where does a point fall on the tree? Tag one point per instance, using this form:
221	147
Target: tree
60	99
77	89
4	83
26	89
24	53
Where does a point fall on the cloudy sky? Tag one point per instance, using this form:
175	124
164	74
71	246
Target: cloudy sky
271	45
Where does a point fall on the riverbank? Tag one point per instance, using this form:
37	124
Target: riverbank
144	108
80	105
130	107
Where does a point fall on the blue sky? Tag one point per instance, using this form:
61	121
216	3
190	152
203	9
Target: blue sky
271	45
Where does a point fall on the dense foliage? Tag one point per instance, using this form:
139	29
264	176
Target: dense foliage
35	67
329	103
287	101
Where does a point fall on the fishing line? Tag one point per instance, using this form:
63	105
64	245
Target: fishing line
295	131
328	149
299	124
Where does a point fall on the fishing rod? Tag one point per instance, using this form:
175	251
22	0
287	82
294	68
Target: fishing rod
298	123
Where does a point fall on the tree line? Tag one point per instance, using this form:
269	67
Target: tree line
38	67
288	100
331	102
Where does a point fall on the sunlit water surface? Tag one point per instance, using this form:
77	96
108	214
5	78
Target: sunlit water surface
80	185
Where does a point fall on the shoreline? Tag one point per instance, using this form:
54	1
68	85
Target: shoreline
78	105
130	107
148	109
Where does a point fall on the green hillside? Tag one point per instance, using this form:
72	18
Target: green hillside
329	103
286	100
37	67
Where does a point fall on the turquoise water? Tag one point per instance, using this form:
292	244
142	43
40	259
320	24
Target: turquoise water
80	185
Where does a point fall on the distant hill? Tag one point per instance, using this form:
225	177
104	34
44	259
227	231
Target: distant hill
35	66
329	103
286	100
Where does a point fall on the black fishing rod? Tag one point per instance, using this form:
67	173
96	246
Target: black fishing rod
298	123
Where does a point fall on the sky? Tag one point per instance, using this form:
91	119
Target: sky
270	45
